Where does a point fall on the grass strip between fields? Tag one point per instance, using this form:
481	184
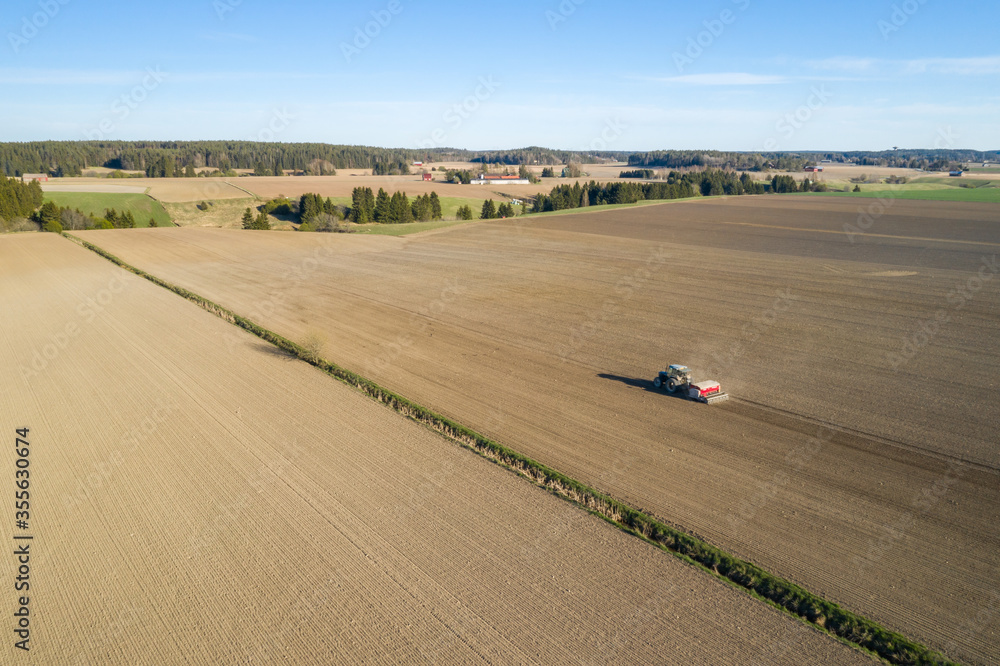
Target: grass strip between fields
842	624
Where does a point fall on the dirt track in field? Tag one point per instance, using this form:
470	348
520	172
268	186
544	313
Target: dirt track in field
197	497
874	486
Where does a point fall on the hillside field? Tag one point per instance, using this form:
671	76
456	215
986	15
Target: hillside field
95	203
185	474
846	461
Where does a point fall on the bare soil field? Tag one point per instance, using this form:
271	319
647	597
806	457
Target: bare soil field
164	189
193	190
198	497
858	455
98	185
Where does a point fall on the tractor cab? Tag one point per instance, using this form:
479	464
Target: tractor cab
680	372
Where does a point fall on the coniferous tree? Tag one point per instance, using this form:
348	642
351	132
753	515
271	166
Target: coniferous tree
248	219
18	199
489	211
308	208
400	210
49	212
382	207
362	205
422	208
262	222
436	213
152	223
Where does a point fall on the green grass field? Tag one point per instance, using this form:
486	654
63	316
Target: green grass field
449	208
449	205
404	229
955	182
225	213
142	206
978	195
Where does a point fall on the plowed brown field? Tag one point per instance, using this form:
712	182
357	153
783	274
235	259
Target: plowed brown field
201	502
862	468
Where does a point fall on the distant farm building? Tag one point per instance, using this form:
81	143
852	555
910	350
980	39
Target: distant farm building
499	180
813	169
428	176
40	177
956	174
420	164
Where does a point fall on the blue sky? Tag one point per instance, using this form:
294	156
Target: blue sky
574	74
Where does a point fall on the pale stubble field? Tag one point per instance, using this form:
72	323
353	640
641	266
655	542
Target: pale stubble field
199	497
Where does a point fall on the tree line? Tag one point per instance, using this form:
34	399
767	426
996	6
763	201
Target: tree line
547	156
182	158
928	159
71	158
18	199
642	174
787	184
51	217
367	207
711	182
314	213
175	157
491	211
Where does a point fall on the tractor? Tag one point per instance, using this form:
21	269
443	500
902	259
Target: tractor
678	378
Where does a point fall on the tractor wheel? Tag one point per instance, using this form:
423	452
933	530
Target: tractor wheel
657	382
671	384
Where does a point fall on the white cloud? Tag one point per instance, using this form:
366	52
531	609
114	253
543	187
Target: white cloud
842	63
724	79
982	66
961	66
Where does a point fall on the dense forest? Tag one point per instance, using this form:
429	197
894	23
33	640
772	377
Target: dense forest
181	158
536	155
710	182
18	199
933	159
158	158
